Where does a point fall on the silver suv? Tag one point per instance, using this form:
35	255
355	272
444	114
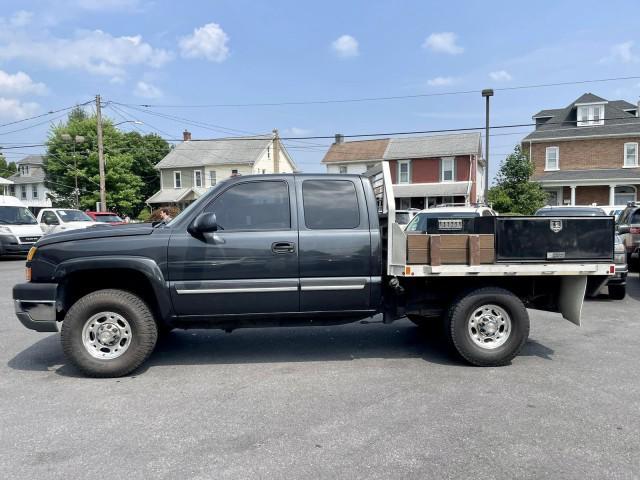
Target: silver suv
629	230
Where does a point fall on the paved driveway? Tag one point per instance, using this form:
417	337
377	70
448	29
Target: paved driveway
355	401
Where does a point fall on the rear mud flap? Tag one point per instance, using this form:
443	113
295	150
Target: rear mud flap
572	291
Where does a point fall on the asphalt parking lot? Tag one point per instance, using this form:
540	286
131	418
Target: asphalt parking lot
355	401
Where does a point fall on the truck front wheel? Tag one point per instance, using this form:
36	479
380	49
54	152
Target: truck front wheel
108	333
488	327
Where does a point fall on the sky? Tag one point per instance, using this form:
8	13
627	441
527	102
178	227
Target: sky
204	65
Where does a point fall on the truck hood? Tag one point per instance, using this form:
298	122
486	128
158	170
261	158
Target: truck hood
96	231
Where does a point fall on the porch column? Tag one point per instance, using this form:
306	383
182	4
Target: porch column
573	194
612	194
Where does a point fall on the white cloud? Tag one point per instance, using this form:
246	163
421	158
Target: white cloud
147	90
443	42
20	84
440	81
21	18
12	109
208	41
622	52
96	52
346	46
298	132
500	76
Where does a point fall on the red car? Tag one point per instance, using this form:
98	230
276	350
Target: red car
106	217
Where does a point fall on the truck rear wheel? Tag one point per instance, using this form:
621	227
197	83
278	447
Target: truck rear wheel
108	333
488	327
617	292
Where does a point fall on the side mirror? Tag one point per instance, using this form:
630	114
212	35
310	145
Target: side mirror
622	229
204	223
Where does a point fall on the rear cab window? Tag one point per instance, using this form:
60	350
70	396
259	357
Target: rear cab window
330	204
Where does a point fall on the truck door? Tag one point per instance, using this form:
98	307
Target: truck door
250	265
335	244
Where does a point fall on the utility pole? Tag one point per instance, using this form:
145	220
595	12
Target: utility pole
103	193
486	93
276	151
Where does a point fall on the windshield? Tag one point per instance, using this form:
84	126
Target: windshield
108	218
419	222
402	218
74	216
570	212
16	216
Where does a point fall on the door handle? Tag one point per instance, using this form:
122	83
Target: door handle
283	247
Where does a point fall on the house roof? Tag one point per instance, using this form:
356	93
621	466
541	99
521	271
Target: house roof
592	174
36	176
589	98
173	195
31	160
4	181
563	121
434	146
365	150
225	151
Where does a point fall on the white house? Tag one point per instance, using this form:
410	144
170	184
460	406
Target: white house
195	165
28	183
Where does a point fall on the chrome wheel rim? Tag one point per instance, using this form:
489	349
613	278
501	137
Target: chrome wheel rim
106	335
489	326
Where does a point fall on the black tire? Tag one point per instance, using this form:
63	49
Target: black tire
457	326
617	292
144	332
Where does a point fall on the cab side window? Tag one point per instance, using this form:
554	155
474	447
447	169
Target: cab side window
330	204
262	205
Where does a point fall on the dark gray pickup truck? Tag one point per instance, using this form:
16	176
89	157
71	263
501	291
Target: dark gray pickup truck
292	250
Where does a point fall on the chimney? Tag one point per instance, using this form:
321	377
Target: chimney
339	138
186	136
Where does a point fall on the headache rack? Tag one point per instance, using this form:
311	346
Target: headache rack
479	246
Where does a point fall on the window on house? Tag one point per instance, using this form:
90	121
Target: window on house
369	166
12	190
177	179
197	178
630	154
23	192
404	171
212	178
330	204
234	172
342	169
34	191
589	115
624	194
551	158
448	167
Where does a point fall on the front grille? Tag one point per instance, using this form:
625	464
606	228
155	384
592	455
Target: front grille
29	239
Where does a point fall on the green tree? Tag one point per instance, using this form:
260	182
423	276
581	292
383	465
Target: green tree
6	168
514	192
72	153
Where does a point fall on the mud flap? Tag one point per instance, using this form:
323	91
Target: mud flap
571	298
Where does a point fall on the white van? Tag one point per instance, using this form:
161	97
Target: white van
19	229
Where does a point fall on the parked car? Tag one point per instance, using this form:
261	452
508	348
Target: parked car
19	229
403	217
570	211
628	227
419	222
616	284
54	220
296	249
613	210
106	217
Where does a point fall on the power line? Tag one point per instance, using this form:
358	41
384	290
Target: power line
377	99
51	112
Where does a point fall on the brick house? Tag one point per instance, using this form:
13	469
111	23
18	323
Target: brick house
426	171
587	152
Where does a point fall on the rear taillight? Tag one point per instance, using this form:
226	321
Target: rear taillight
635	230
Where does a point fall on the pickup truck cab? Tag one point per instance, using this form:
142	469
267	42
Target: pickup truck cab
54	220
286	250
19	229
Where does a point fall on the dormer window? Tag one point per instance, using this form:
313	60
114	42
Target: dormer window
589	115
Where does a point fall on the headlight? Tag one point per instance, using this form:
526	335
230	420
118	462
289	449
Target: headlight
5	230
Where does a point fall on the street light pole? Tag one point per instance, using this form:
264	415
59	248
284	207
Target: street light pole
103	192
486	93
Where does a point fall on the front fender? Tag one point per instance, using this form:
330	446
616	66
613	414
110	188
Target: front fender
147	266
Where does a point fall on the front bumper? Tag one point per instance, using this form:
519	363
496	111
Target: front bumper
9	245
35	305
